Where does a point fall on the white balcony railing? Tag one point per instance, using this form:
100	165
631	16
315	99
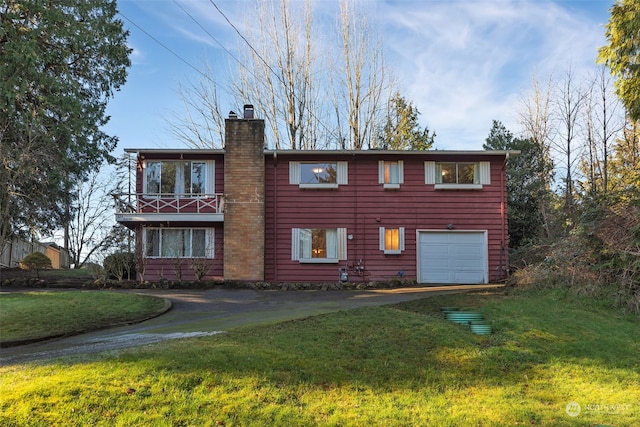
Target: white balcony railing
139	203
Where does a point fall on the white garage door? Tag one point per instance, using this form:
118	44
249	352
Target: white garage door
452	257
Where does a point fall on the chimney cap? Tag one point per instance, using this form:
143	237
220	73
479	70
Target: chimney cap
248	111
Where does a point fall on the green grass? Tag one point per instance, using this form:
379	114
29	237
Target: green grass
33	315
395	365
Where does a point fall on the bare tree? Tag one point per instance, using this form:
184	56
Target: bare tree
279	75
536	121
91	227
568	110
363	82
287	70
603	123
202	126
609	122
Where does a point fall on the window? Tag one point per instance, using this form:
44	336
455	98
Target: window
178	243
457	175
176	177
318	174
392	240
391	173
318	245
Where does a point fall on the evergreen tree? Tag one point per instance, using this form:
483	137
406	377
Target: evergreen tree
60	62
401	130
526	186
622	54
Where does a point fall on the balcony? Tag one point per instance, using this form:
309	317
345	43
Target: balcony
136	208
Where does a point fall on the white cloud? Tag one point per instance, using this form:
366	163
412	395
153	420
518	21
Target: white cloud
466	63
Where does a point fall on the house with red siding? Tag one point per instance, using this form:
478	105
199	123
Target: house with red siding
245	213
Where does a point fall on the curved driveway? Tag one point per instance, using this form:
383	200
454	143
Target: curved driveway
212	311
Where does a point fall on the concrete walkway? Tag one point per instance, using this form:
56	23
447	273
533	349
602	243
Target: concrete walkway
213	311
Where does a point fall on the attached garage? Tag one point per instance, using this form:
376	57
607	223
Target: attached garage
451	257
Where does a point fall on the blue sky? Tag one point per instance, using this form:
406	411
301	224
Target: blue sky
463	63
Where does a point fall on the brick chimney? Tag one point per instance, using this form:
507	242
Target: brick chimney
244	194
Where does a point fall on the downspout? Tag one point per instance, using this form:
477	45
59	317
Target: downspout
360	252
504	260
275	216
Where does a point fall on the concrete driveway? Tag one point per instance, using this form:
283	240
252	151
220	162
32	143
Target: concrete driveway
208	312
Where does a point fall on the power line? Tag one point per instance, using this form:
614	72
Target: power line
164	46
209	78
248	44
207	32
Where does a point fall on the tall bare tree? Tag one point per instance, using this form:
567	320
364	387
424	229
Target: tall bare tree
279	74
314	92
568	110
603	122
536	120
364	84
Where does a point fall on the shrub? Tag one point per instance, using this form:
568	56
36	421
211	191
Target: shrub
95	269
121	265
36	261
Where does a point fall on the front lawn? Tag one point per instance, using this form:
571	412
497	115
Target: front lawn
34	315
552	360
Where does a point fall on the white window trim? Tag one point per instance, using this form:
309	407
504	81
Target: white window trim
382	246
342	177
341	236
319	186
457	187
484	169
209	242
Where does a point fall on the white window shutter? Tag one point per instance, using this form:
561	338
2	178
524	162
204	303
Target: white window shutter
381	172
485	173
343	173
429	172
401	237
381	245
294	173
342	243
295	244
400	172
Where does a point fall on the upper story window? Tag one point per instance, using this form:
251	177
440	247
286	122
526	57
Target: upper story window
177	177
318	245
390	173
457	175
318	174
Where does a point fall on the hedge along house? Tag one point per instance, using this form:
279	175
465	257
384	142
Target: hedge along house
249	214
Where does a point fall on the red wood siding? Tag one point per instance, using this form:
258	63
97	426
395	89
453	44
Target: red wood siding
183	268
362	206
